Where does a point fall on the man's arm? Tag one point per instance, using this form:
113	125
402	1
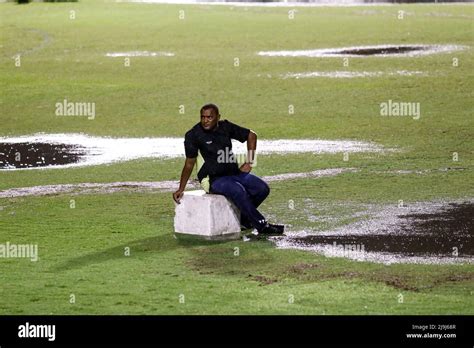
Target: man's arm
185	174
251	148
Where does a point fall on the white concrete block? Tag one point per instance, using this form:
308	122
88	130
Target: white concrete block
207	215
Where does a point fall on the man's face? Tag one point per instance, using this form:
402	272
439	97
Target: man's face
209	119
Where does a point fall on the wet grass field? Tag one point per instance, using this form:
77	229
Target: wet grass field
116	253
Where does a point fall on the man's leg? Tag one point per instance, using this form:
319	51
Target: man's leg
257	189
230	187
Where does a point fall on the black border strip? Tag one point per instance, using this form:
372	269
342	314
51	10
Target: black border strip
221	330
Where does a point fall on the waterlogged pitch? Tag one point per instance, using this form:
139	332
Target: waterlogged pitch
365	127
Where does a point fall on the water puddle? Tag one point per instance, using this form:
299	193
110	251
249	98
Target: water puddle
145	186
139	54
69	150
367	51
351	74
426	232
33	155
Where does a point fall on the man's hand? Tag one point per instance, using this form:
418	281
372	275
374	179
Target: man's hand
246	168
177	196
251	148
185	174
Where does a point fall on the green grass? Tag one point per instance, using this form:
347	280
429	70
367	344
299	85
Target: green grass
82	249
82	252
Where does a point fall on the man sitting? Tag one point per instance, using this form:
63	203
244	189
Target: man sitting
209	140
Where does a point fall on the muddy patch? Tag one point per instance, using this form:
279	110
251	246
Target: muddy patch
33	155
422	233
263	280
103	150
367	51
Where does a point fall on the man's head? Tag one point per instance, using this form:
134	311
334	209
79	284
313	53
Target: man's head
209	116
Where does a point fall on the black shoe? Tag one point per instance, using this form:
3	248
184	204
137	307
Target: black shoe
272	229
245	224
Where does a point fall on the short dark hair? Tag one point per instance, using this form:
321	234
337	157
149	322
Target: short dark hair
210	106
